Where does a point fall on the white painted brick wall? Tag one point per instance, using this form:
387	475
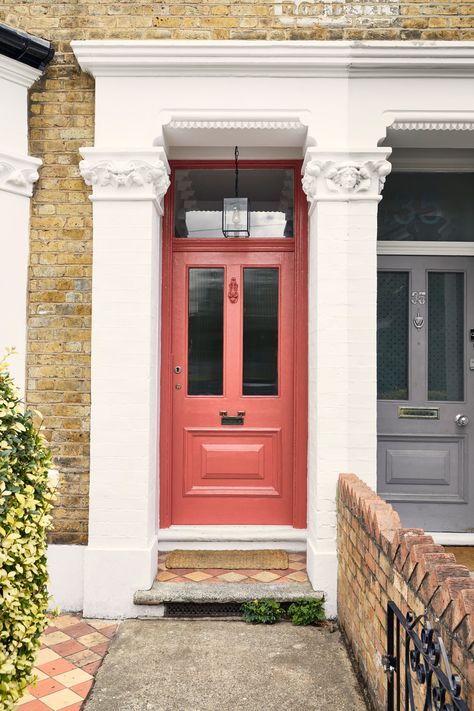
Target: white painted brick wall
342	364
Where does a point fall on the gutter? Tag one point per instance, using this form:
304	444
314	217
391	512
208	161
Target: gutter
25	48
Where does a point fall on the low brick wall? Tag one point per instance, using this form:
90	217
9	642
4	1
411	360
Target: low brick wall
381	561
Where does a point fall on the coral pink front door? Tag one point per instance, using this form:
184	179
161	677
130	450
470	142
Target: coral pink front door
233	440
233	388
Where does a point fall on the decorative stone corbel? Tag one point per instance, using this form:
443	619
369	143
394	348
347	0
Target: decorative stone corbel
342	176
18	175
128	174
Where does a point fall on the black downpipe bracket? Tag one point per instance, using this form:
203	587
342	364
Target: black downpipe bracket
27	49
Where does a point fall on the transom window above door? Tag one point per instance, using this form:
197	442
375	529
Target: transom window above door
427	207
199	194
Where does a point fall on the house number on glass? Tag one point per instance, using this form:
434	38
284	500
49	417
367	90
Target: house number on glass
418	297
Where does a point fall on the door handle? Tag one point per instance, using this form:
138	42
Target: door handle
461	420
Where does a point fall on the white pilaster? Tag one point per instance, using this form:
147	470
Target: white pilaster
343	189
128	186
18	173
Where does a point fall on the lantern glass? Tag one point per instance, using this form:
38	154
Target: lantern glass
236	217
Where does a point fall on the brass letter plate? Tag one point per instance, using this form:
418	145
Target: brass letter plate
226	420
418	413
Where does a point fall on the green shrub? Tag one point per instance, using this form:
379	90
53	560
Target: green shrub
307	612
25	501
265	612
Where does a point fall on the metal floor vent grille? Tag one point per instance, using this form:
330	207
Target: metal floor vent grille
203	609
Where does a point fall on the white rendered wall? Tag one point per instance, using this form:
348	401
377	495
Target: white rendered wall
342	294
122	552
66	577
18	172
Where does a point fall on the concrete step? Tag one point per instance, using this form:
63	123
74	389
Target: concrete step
161	593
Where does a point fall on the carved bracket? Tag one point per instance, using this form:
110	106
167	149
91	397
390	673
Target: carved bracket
346	178
18	175
124	176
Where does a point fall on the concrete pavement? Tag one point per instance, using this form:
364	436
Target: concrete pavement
219	665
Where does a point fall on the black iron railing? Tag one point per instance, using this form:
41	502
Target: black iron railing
419	676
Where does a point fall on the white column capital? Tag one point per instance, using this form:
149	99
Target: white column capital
345	175
125	174
18	174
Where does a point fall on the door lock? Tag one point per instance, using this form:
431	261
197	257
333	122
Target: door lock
177	369
461	420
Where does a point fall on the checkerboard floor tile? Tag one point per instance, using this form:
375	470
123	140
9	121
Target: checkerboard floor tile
72	649
295	573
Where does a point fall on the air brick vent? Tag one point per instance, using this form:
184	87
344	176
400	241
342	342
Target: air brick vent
203	609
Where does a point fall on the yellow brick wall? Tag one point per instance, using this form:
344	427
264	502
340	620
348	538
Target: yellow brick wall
62	120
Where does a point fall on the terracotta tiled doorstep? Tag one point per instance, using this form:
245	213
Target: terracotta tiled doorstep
296	572
72	650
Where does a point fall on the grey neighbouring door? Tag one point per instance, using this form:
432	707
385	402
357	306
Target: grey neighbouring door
425	383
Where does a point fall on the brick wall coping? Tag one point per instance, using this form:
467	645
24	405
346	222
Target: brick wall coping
434	576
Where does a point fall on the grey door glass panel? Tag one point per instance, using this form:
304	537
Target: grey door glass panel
199	194
205	331
445	336
260	328
436	207
392	335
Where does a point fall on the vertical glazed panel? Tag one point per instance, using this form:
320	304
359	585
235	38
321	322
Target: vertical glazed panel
260	332
205	331
392	335
445	336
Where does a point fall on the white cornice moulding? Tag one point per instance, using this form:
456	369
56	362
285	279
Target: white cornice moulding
430	120
281	128
274	59
126	174
343	176
18	174
17	72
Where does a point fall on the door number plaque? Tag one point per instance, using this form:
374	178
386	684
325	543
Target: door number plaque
418	413
418	297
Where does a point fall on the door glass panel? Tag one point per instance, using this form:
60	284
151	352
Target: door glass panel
260	332
205	331
436	207
445	336
199	194
392	335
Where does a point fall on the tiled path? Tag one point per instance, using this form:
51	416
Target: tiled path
71	652
295	573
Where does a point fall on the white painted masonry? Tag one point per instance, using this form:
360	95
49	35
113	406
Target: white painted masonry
331	103
18	173
344	190
128	186
66	576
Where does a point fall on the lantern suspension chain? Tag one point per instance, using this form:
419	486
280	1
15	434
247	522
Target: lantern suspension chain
236	154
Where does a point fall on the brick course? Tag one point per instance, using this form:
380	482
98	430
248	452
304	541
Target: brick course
62	120
381	561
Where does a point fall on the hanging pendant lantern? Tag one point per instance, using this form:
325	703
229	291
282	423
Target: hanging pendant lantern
236	210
